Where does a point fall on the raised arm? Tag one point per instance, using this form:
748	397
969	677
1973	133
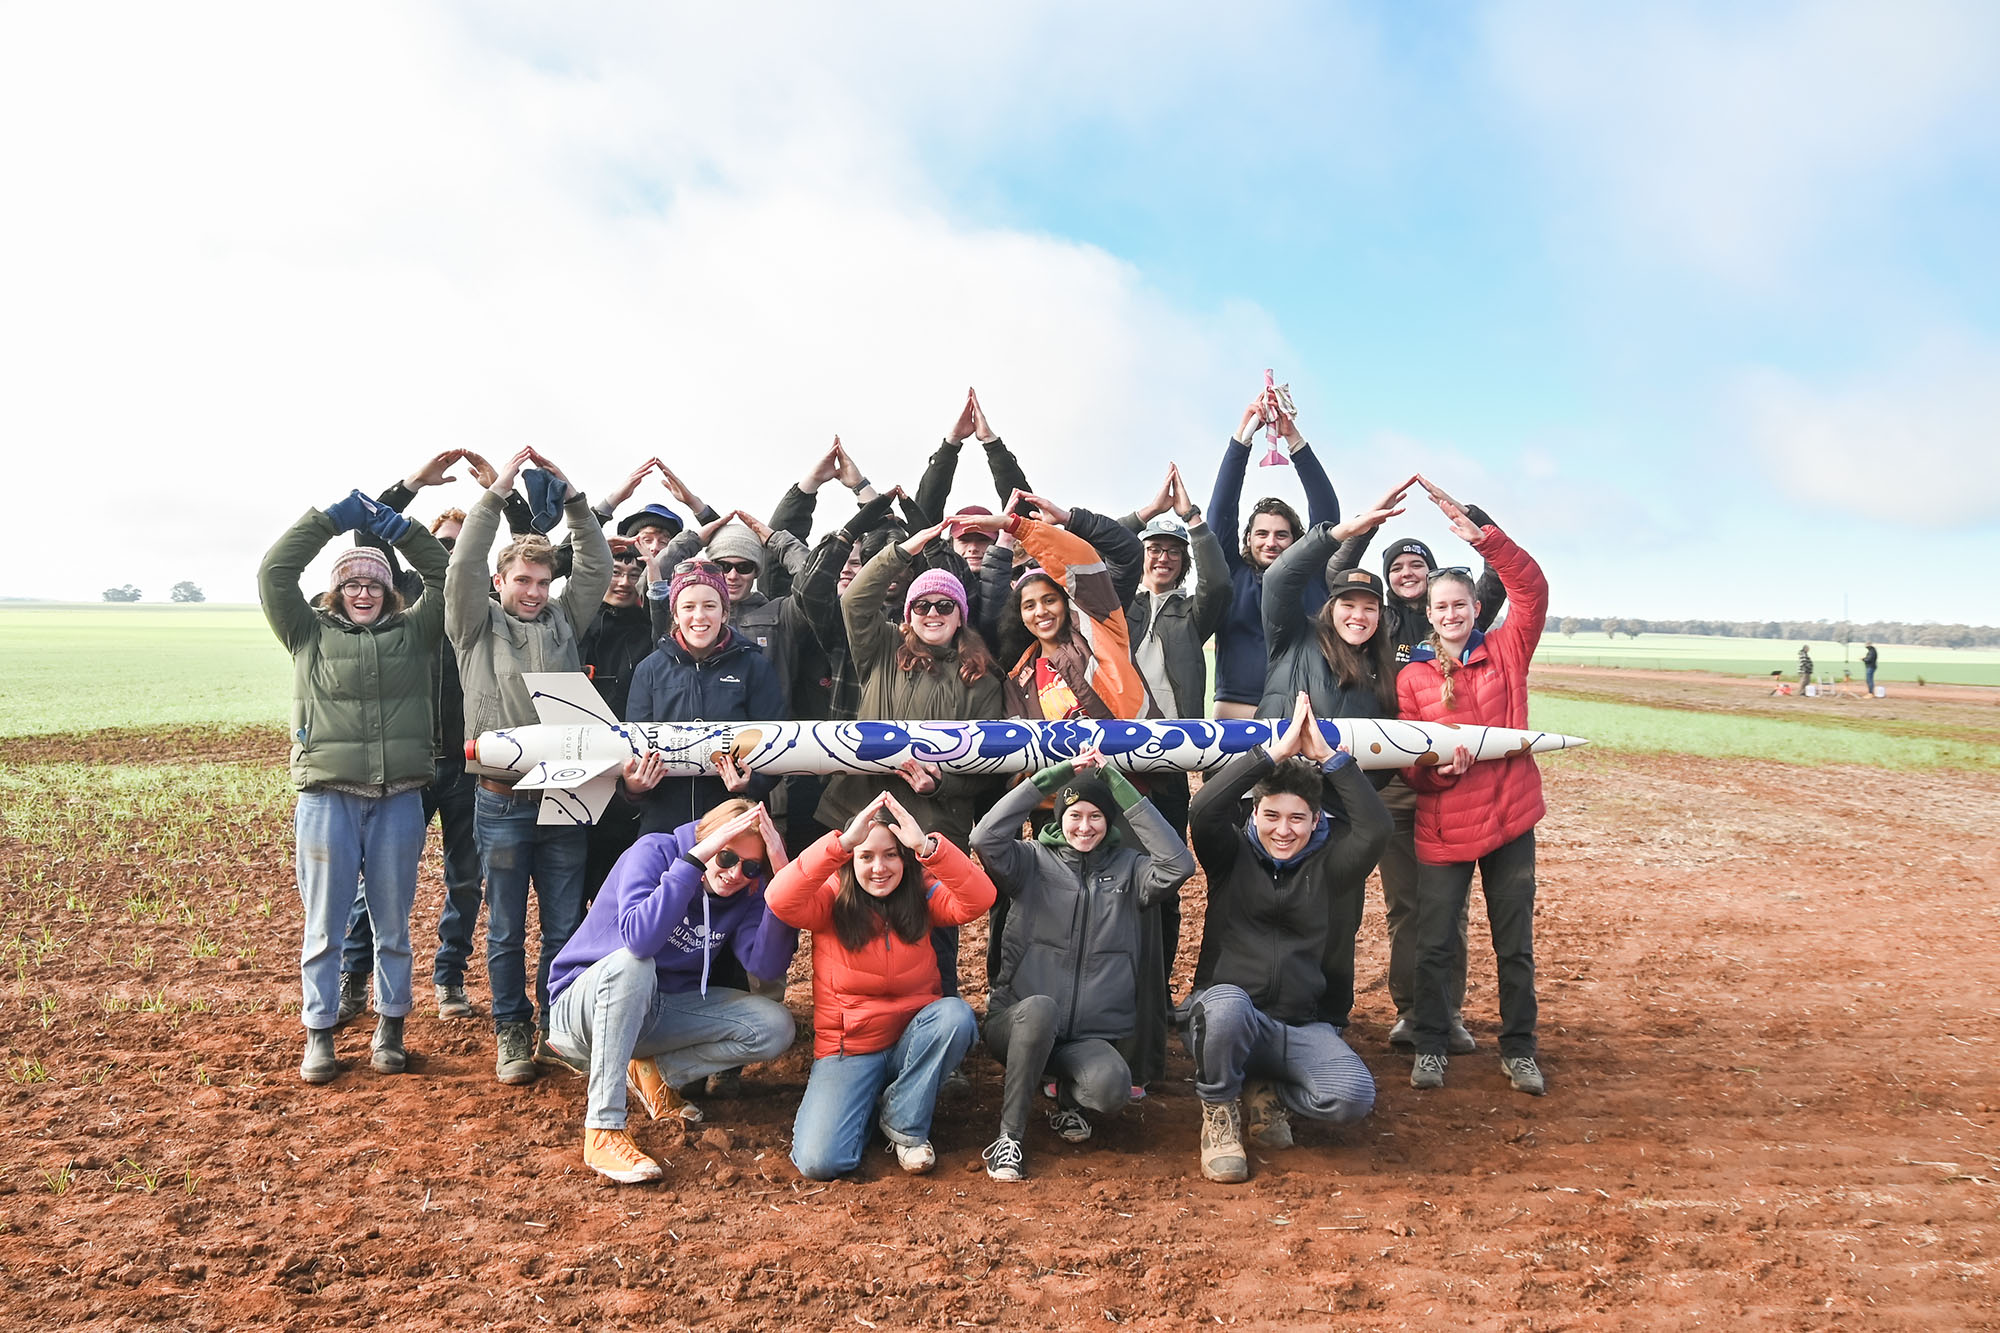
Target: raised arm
286	609
1171	864
468	581
1074	564
1285	619
961	891
1119	546
801	895
868	632
1212	821
997	837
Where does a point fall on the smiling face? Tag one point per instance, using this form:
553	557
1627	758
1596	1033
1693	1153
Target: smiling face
1453	609
628	581
1355	616
739	576
524	588
650	539
749	848
1284	823
1166	563
878	863
1407	573
1083	825
935	619
1270	534
1043	610
698	616
851	568
361	600
972	546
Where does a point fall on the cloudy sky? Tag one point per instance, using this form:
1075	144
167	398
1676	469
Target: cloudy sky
1701	302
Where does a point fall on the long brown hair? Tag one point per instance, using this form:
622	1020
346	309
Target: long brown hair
1371	664
1448	661
860	918
968	645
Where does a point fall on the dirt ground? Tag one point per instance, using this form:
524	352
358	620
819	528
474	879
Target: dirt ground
1768	1005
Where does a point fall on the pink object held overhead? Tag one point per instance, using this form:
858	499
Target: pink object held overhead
1275	405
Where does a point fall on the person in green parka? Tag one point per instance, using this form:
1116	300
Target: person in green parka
361	753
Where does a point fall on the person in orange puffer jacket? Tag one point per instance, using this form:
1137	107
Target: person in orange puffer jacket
1480	816
884	1033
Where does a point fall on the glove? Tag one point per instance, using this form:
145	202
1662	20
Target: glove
387	524
914	516
353	512
1478	517
869	516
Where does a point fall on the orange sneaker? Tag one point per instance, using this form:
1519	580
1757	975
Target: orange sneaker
611	1152
644	1085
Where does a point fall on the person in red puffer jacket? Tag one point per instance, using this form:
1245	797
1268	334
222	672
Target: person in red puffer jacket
1481	815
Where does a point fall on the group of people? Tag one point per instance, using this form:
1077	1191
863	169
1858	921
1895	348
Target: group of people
668	927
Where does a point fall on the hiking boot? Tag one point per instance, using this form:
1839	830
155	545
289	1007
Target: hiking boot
353	996
1003	1159
955	1088
1267	1119
1459	1040
645	1085
319	1066
1222	1156
1069	1124
611	1152
1403	1034
514	1053
729	1083
451	1000
1428	1072
389	1057
1524	1074
915	1160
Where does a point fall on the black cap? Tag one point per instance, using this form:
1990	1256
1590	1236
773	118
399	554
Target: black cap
1354	580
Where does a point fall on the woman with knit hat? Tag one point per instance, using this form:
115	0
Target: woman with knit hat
361	754
703	670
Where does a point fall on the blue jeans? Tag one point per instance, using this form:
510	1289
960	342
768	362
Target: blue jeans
841	1094
449	800
1311	1068
515	851
615	1013
341	838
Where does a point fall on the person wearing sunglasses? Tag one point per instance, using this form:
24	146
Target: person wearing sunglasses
637	1004
361	754
884	1032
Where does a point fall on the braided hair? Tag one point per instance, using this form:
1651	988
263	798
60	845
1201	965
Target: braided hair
1448	661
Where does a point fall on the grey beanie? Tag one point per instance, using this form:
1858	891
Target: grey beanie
736	542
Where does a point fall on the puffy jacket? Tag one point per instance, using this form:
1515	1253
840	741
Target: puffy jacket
1240	657
654	904
1271	928
1073	931
1095	657
447	695
1463	818
1410	622
494	648
864	998
734	683
1183	621
361	696
756	616
1297	660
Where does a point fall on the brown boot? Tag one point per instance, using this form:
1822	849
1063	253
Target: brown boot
1222	1156
1266	1118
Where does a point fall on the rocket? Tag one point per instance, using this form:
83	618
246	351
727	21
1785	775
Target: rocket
573	755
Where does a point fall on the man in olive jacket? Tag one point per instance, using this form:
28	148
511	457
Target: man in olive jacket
526	629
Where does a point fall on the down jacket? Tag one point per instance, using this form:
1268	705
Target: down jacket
1074	931
1463	818
734	683
1095	656
863	999
1292	635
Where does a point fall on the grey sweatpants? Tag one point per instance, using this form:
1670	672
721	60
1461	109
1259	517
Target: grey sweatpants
1315	1073
1089	1072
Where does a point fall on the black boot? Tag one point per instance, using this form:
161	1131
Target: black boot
319	1066
390	1058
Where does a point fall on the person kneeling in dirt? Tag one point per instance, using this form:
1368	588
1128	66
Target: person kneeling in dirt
631	1004
1258	1020
884	1032
1067	985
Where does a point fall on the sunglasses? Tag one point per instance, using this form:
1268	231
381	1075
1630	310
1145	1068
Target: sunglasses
933	606
741	568
729	860
697	565
1437	574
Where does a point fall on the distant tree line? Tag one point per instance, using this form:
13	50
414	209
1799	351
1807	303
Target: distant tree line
1799	631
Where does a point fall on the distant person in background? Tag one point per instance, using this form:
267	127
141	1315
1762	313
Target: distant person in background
361	754
1805	667
1869	657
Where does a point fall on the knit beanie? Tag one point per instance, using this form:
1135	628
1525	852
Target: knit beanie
736	542
1089	788
707	575
1407	546
362	562
933	582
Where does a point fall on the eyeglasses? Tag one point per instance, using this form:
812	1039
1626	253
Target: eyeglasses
741	568
933	606
729	860
359	587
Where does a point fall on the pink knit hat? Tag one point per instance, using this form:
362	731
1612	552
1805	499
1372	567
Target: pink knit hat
933	582
691	572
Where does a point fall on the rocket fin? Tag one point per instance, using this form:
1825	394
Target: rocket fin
567	699
572	793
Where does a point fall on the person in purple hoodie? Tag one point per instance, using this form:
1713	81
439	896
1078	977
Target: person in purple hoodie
631	1005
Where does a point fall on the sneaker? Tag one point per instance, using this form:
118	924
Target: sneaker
1524	1074
1403	1034
548	1053
915	1160
611	1152
353	996
1222	1156
1428	1071
389	1056
1266	1119
955	1088
514	1053
452	1002
645	1085
319	1066
729	1084
1069	1124
1003	1159
1459	1040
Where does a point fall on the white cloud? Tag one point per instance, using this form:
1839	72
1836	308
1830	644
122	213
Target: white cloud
257	259
1730	135
1912	444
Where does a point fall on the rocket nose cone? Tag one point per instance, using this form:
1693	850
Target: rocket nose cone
472	749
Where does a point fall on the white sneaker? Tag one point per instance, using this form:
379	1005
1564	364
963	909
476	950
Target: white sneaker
1003	1159
916	1160
1069	1123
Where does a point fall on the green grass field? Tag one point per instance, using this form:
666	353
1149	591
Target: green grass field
1760	657
1801	740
